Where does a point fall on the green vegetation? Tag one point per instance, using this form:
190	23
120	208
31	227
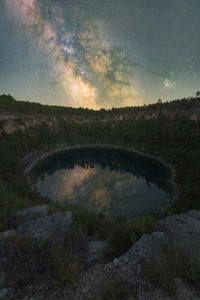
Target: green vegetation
8	105
126	231
2	123
27	259
175	139
90	223
67	261
111	288
173	261
24	260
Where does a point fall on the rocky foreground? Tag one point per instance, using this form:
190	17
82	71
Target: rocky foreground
127	269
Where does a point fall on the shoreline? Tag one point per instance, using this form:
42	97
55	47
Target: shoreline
36	156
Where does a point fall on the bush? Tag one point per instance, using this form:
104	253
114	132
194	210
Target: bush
2	123
176	260
67	260
65	269
28	260
10	203
89	222
2	226
111	288
18	245
20	121
126	231
25	260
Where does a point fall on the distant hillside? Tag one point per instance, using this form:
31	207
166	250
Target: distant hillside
185	106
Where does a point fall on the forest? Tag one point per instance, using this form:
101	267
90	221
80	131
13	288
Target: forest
9	105
176	140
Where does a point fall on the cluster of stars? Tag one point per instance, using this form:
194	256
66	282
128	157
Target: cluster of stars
187	62
168	83
172	12
68	45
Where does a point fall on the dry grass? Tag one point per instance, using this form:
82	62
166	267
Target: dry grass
176	260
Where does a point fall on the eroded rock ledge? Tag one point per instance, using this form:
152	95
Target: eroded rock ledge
41	226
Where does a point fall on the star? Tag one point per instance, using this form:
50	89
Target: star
168	83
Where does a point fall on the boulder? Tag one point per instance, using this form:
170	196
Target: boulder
143	249
55	226
185	227
33	213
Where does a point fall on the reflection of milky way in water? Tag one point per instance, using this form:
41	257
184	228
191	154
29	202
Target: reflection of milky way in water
102	189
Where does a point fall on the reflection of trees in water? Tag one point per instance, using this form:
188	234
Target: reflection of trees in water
117	160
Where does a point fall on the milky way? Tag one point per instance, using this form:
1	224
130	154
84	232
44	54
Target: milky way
92	72
91	54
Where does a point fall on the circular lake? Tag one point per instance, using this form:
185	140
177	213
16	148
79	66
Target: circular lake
104	180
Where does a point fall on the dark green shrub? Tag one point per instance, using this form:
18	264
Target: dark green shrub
2	123
18	246
65	269
10	203
20	121
90	223
111	288
126	231
68	260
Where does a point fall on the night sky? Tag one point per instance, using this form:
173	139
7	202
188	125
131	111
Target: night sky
92	53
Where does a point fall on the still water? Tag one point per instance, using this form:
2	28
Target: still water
104	180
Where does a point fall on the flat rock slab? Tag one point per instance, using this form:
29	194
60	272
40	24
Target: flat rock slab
54	226
182	227
33	213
